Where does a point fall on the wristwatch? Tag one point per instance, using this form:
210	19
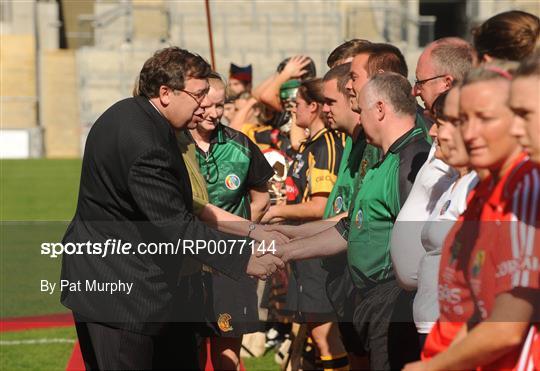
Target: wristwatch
252	227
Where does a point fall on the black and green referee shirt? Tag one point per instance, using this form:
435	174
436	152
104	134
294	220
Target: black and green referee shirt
375	205
232	166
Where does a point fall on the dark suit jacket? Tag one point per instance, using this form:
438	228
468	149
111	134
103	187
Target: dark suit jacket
135	188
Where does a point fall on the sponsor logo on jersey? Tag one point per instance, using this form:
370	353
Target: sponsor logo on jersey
224	322
338	204
232	181
451	295
509	267
291	189
479	260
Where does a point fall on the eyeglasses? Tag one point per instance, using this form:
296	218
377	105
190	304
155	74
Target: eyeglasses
197	97
418	83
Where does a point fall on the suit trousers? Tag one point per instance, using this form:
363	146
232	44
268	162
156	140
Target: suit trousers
109	348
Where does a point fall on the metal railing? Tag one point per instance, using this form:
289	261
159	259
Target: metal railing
124	12
393	22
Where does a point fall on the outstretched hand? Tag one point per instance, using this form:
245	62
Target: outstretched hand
264	266
272	216
287	230
268	236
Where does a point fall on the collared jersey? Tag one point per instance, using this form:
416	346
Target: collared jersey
358	157
232	166
493	248
375	206
315	166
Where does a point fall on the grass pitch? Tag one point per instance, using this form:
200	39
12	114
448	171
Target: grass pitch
37	200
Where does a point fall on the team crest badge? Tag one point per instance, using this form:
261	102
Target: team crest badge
478	262
224	322
338	204
445	207
359	219
232	181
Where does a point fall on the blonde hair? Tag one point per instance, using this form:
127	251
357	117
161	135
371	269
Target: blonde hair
495	70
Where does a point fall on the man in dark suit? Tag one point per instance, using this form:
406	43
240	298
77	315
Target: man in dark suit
135	190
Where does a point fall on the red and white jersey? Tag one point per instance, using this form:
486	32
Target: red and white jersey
493	248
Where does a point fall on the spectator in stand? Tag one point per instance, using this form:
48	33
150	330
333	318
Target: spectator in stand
229	111
239	79
511	36
269	92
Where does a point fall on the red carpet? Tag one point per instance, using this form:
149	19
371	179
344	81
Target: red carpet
76	362
35	322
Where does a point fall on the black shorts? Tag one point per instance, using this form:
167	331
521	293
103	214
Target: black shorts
372	314
307	289
231	306
340	290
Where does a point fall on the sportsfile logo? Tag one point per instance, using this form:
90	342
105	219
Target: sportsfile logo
185	247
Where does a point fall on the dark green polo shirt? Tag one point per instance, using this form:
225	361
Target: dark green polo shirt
376	204
232	166
357	158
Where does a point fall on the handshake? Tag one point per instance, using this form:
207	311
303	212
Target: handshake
310	240
263	265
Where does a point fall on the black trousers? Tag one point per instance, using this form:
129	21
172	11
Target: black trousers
108	348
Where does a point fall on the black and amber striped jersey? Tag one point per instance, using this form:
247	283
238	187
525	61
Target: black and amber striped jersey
315	166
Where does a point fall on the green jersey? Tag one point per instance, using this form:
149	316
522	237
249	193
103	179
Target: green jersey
357	158
375	206
232	166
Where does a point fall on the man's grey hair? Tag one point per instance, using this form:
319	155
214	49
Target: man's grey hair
452	56
393	89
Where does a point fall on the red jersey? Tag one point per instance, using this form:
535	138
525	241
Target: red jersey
493	248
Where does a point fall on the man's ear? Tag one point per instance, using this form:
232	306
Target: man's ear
380	110
165	95
448	82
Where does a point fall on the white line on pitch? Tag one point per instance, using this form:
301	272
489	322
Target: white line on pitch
36	341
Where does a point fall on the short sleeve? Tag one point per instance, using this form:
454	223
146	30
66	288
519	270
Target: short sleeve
343	227
259	171
324	164
412	158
